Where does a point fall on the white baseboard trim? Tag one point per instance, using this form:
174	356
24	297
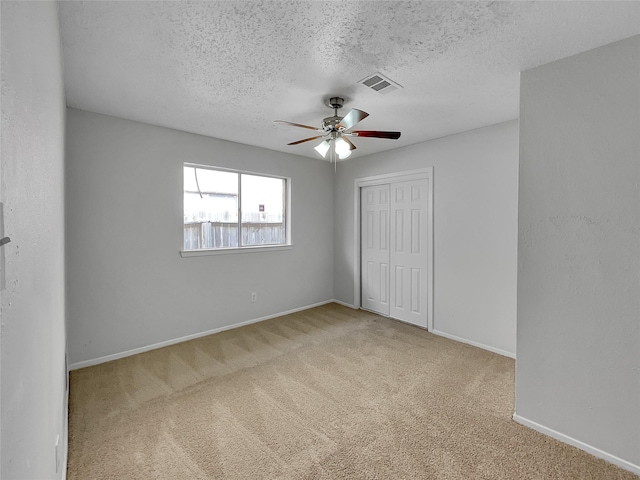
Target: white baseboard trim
475	344
344	304
166	343
596	452
65	440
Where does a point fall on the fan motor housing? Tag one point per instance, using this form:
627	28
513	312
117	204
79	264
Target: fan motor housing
330	123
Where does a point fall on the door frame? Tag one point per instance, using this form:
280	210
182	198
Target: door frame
423	173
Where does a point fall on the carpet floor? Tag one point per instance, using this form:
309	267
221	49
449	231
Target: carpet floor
326	393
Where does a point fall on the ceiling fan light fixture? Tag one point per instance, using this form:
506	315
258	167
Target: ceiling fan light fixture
336	131
342	156
322	148
342	148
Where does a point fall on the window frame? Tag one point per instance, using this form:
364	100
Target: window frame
248	248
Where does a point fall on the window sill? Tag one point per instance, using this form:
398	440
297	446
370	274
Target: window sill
233	251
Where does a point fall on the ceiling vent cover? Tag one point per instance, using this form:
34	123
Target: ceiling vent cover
380	83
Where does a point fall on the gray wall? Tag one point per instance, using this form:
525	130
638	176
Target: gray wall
128	286
578	367
32	337
475	228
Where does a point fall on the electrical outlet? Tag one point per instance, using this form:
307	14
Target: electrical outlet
254	297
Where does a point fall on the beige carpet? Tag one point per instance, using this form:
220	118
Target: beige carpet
325	393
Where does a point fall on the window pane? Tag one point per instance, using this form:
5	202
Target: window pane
211	205
263	215
210	208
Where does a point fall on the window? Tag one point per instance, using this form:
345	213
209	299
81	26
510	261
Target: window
226	209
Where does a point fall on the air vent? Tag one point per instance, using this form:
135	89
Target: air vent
380	83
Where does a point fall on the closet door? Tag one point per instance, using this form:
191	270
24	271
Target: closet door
374	248
408	252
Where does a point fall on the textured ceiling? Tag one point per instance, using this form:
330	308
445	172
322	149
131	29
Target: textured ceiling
227	69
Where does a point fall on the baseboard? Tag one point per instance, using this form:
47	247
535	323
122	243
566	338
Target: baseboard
166	343
596	452
344	304
475	344
65	442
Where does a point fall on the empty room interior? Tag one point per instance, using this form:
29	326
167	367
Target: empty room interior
302	239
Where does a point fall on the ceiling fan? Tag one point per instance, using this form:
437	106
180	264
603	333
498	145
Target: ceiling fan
335	132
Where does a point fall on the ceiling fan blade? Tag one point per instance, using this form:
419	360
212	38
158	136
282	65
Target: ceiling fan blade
351	145
376	134
305	140
350	119
296	125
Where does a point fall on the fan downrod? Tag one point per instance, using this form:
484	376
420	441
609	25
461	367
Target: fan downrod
330	123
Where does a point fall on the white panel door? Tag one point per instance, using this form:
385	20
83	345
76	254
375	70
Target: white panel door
374	262
408	252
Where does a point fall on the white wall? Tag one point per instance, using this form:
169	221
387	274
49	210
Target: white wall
128	286
578	367
33	373
475	229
